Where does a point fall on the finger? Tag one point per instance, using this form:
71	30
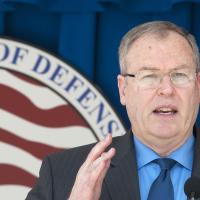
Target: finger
105	156
90	178
98	173
98	149
109	154
102	174
107	160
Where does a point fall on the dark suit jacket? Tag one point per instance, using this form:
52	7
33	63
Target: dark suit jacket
58	172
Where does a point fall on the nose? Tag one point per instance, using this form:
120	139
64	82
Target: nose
166	87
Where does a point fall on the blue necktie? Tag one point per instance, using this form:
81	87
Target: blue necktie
162	187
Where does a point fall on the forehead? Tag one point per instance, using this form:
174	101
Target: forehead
155	51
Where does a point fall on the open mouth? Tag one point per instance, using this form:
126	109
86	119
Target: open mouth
165	111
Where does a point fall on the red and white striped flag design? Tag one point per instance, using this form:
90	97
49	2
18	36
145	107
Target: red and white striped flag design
34	121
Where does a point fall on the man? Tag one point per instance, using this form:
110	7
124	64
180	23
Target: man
160	86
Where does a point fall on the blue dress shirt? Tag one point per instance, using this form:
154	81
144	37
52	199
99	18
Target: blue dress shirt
148	171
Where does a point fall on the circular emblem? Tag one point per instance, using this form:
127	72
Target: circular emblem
45	106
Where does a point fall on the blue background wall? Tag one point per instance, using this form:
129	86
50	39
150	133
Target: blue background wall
86	33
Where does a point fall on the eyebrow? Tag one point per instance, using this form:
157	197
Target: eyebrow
156	69
148	68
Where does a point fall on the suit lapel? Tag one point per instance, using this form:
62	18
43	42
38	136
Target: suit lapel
196	162
122	177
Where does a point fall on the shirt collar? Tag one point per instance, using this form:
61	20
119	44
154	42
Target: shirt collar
184	154
145	154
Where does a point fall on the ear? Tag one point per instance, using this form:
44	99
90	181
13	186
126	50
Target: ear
198	84
121	87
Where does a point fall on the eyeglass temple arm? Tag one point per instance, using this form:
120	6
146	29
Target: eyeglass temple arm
130	75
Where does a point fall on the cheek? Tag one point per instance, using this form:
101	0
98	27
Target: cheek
190	101
139	103
132	107
137	106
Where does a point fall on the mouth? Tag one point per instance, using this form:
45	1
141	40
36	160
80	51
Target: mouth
165	111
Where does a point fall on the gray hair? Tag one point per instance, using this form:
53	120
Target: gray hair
159	28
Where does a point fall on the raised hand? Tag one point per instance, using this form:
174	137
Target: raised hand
90	176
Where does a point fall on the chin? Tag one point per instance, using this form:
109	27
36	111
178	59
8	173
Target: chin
165	131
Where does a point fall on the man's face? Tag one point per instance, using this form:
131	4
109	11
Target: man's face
165	112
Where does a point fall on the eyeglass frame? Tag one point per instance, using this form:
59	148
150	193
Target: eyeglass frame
162	75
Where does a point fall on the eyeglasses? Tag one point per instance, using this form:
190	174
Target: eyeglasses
152	78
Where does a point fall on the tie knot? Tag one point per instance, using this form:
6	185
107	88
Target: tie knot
165	163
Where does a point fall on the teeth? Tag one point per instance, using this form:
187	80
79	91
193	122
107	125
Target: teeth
165	110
